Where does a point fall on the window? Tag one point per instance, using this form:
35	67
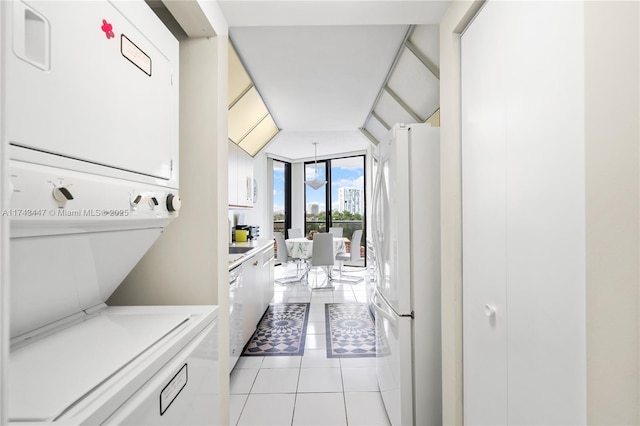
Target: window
281	196
341	202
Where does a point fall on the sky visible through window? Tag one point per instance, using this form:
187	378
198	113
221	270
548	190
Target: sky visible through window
345	172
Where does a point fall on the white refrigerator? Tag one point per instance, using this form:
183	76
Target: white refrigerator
406	300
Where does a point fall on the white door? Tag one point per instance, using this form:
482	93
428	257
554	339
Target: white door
483	222
524	334
85	81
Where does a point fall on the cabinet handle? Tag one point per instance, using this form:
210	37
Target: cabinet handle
255	263
490	310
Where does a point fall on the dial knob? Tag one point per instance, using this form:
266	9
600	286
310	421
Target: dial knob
136	200
173	202
62	194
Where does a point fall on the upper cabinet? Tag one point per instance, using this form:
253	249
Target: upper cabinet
251	126
240	177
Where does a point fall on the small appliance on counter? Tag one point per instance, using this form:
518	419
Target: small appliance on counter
247	233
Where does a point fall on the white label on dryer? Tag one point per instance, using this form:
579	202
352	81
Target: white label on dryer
134	54
172	389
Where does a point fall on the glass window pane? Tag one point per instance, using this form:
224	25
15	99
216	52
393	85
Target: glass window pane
348	199
279	186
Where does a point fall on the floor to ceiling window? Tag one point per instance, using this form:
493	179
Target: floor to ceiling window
281	196
318	209
339	203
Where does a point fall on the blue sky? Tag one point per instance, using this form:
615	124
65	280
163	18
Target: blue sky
346	172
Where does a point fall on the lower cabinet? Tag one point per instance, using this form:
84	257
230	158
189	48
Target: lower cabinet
250	298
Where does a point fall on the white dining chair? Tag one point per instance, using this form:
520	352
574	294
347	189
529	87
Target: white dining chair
336	231
282	255
294	232
322	256
353	256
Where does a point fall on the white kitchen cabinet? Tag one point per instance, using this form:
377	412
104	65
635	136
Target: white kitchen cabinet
233	174
252	293
240	177
523	185
250	298
266	277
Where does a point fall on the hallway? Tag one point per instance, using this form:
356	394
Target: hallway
310	389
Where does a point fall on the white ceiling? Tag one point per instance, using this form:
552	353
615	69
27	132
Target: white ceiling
318	77
319	65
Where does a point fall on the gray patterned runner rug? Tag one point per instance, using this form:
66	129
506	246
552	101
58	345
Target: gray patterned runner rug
350	330
281	331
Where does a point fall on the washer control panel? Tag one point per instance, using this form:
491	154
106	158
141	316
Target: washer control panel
42	193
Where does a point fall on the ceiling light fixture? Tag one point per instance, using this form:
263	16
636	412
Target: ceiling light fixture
315	183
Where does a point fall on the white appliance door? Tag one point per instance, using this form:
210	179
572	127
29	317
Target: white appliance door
184	392
96	83
394	364
391	221
236	341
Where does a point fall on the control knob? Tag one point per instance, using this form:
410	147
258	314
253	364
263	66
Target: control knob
62	194
136	200
173	202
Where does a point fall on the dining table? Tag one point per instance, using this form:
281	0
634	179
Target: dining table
302	248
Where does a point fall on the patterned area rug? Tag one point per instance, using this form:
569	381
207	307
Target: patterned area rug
350	330
281	331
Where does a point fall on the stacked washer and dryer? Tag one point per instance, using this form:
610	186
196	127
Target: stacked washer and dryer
90	113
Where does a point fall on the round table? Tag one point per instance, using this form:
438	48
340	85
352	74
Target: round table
302	248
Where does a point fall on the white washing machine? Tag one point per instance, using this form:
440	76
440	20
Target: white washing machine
90	123
73	359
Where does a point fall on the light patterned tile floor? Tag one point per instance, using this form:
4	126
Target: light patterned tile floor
312	389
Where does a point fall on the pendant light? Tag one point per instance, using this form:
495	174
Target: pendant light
315	183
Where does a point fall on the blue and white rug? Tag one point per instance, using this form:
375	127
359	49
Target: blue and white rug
350	330
281	331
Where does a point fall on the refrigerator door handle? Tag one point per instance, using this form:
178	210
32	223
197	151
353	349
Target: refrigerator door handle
382	308
376	224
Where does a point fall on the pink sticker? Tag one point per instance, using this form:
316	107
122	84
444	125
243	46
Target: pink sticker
107	28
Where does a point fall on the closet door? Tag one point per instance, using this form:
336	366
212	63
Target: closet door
545	212
523	214
484	220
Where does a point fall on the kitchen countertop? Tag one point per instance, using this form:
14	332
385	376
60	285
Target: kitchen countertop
257	246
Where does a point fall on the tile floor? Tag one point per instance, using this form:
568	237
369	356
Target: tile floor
310	389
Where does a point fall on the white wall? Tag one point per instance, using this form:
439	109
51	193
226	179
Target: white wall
451	26
181	266
4	262
612	116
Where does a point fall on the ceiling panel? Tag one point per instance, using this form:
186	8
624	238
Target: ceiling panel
259	136
318	78
239	80
415	85
294	145
376	129
325	12
427	39
245	114
391	112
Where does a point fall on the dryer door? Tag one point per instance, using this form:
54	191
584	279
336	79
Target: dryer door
86	81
